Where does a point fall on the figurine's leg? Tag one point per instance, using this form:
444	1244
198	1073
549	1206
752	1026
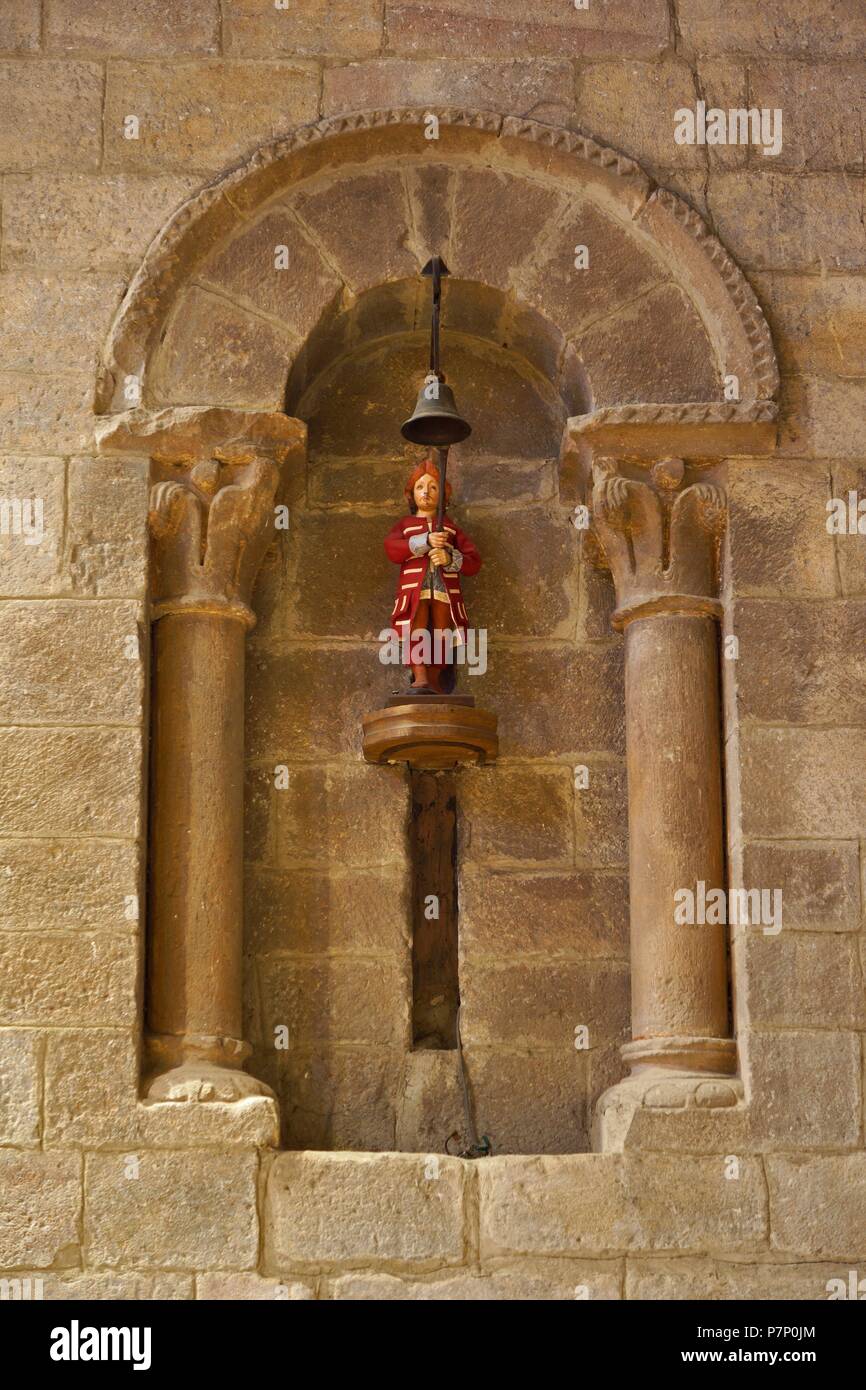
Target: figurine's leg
441	622
420	623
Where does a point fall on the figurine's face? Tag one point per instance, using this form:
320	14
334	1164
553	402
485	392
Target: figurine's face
426	493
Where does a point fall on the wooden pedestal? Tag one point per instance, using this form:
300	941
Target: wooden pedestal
430	733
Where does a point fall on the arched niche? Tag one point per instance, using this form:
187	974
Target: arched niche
637	351
358	201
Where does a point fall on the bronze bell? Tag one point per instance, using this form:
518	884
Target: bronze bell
435	421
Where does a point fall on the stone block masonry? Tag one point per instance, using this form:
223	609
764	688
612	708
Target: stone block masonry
111	118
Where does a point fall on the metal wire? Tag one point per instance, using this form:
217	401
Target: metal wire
476	1148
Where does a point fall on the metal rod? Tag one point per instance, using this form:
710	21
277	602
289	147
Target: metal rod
442	464
434	322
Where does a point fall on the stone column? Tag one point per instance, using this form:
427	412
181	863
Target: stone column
211	520
661	542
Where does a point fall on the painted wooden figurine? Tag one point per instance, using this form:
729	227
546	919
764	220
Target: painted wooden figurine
429	614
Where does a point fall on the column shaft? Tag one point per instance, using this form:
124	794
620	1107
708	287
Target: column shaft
196	859
679	986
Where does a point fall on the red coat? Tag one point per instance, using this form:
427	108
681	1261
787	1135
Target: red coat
414	567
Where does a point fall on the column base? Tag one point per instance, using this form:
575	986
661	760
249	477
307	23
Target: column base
192	1067
669	1075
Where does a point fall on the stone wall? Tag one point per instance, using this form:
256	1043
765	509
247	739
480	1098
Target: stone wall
103	1196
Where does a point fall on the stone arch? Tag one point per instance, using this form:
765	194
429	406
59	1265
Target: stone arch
214	359
360	201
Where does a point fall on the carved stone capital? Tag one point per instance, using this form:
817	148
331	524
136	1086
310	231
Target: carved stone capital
661	544
211	511
210	534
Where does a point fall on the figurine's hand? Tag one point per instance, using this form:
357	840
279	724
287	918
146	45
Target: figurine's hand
437	539
440	557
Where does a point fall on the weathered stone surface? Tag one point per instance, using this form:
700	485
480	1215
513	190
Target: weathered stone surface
607	1204
585	717
597	603
818	1205
521	815
631	106
806	1089
540	1004
822	419
430	1105
285	705
27	568
850	547
312	910
335	1000
202	115
40	1203
91	1088
540	88
19	26
411	1213
91	1102
247	269
823	106
544	1281
526	587
818	321
55	322
784	221
106	526
220	353
498	221
696	1129
802	783
552	1116
821	647
251	1123
502	28
258	815
317	816
338	481
329	593
52	114
485	483
330	876
70	782
355	410
64	1286
41	642
662	1280
42	979
315	27
182	1211
45	414
622	358
245	1287
430	190
601	816
361	222
777	525
340	1097
618	272
19	1088
146	31
90	223
819	883
544	914
777	26
803	980
85	885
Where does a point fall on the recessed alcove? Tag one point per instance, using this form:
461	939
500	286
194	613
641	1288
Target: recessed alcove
542	907
216	349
